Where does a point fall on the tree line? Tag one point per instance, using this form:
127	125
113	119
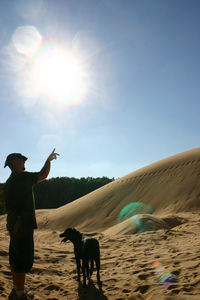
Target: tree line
55	192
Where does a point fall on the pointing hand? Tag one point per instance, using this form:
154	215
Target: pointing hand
53	155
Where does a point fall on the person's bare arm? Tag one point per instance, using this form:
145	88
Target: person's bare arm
44	172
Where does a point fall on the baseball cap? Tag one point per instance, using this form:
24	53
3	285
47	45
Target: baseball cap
13	156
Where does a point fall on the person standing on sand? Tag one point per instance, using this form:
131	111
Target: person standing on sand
21	220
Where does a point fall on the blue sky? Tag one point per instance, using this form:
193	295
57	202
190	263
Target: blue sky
140	64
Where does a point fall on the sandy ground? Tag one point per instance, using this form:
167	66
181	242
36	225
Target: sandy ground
135	263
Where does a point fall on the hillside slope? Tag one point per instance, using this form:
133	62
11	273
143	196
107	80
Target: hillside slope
171	185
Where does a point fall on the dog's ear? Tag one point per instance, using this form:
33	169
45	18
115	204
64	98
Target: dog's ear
70	230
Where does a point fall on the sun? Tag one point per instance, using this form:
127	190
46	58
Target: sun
55	74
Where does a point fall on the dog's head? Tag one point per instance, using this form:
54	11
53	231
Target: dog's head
70	234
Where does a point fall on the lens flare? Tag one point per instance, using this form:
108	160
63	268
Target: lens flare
26	40
163	276
49	73
132	209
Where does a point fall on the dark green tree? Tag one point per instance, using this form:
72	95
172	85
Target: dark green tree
55	192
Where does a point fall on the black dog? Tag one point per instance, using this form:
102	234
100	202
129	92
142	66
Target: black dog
86	249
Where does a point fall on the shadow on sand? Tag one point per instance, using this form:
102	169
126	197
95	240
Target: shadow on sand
91	292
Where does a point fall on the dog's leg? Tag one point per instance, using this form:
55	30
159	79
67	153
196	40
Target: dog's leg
78	266
97	261
88	273
85	262
92	266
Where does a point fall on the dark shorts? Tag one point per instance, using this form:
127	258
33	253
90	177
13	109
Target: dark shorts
21	252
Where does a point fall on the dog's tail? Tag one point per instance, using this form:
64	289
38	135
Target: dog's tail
92	266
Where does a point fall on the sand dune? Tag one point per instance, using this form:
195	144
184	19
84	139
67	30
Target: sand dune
151	255
171	185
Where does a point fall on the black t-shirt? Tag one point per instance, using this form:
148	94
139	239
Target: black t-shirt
19	200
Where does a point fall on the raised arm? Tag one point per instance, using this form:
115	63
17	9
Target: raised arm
44	172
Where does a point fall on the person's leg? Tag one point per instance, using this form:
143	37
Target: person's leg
12	259
18	282
12	271
21	260
18	279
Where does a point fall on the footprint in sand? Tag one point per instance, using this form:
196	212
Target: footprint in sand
173	286
176	263
143	276
187	289
175	292
6	273
142	289
176	272
3	253
53	287
126	291
135	272
112	280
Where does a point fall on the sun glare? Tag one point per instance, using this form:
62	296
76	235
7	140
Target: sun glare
57	75
49	73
